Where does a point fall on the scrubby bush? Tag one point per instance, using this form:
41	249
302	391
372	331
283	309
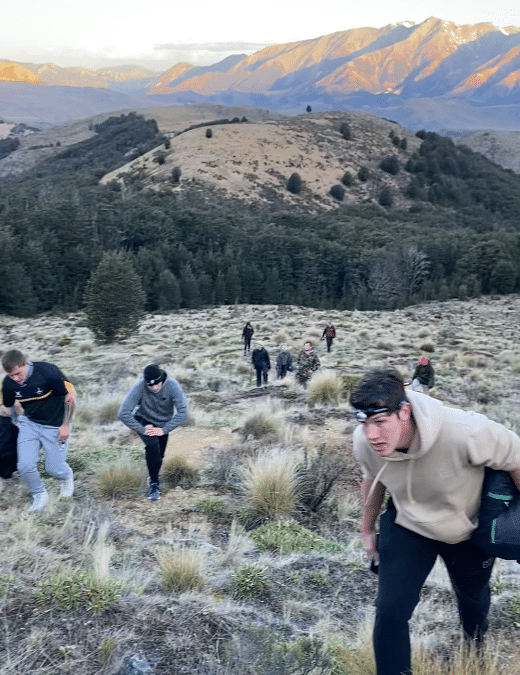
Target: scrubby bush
249	581
286	536
209	133
363	174
347	179
263	422
390	165
73	588
338	192
345	131
295	183
211	506
385	197
176	174
318	475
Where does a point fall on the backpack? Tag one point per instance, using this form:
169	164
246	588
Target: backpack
8	454
498	533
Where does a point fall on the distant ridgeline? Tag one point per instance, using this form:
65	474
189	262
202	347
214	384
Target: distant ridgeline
460	238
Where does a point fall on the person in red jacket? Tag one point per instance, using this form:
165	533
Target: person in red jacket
329	334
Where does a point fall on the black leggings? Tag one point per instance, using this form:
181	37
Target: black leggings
405	560
154	449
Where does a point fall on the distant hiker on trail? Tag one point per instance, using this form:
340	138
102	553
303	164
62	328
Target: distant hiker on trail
329	334
262	364
284	362
47	401
153	407
431	460
423	376
247	334
308	363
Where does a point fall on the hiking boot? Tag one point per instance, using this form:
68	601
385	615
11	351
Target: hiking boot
154	492
39	500
67	486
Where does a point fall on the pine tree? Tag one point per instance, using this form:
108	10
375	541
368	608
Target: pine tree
113	298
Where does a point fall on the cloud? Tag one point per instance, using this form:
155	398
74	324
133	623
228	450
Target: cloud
218	47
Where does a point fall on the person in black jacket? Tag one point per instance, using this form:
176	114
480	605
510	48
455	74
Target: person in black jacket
247	334
262	363
423	376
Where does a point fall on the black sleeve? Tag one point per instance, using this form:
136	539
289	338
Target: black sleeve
7	394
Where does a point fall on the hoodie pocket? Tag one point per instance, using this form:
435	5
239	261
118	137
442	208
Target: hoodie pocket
451	528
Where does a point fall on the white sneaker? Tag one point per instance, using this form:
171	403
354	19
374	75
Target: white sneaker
39	500
67	486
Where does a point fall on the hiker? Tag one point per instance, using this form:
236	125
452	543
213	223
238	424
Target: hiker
431	460
329	333
308	363
154	407
284	362
47	401
247	334
262	363
423	376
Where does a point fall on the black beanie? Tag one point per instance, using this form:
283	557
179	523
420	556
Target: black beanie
153	374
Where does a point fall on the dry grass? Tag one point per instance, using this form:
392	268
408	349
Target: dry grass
271	483
181	569
325	387
121	477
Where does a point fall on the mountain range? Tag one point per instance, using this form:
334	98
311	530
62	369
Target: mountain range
435	74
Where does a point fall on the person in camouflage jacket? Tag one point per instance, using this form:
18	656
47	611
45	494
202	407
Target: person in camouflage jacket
308	363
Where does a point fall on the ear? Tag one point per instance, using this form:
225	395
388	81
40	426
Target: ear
405	412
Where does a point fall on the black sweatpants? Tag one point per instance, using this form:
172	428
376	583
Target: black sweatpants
154	449
405	560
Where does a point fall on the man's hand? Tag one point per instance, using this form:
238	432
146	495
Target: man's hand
369	546
153	431
63	432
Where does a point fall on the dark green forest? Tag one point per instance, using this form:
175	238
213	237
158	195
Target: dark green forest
459	238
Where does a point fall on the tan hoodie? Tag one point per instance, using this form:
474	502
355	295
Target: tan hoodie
436	486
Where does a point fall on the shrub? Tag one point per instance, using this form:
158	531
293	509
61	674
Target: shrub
385	197
338	192
181	569
317	477
427	348
119	477
347	179
209	133
177	470
345	131
308	109
249	581
270	482
286	536
363	174
295	183
113	299
404	144
211	506
390	165
176	174
74	588
324	387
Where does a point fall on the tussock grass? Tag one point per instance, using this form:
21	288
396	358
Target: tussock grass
264	422
249	581
271	483
181	569
325	387
120	477
72	588
287	536
177	469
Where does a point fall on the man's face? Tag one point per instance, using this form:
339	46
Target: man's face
387	431
307	346
155	388
19	373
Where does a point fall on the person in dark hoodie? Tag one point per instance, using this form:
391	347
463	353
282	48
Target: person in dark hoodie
155	406
247	334
431	460
284	362
423	376
262	363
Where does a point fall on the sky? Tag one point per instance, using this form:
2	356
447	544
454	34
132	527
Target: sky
160	33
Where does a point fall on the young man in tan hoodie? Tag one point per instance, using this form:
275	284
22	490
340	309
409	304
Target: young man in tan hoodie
431	461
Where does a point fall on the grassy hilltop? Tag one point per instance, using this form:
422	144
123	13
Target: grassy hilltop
225	575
